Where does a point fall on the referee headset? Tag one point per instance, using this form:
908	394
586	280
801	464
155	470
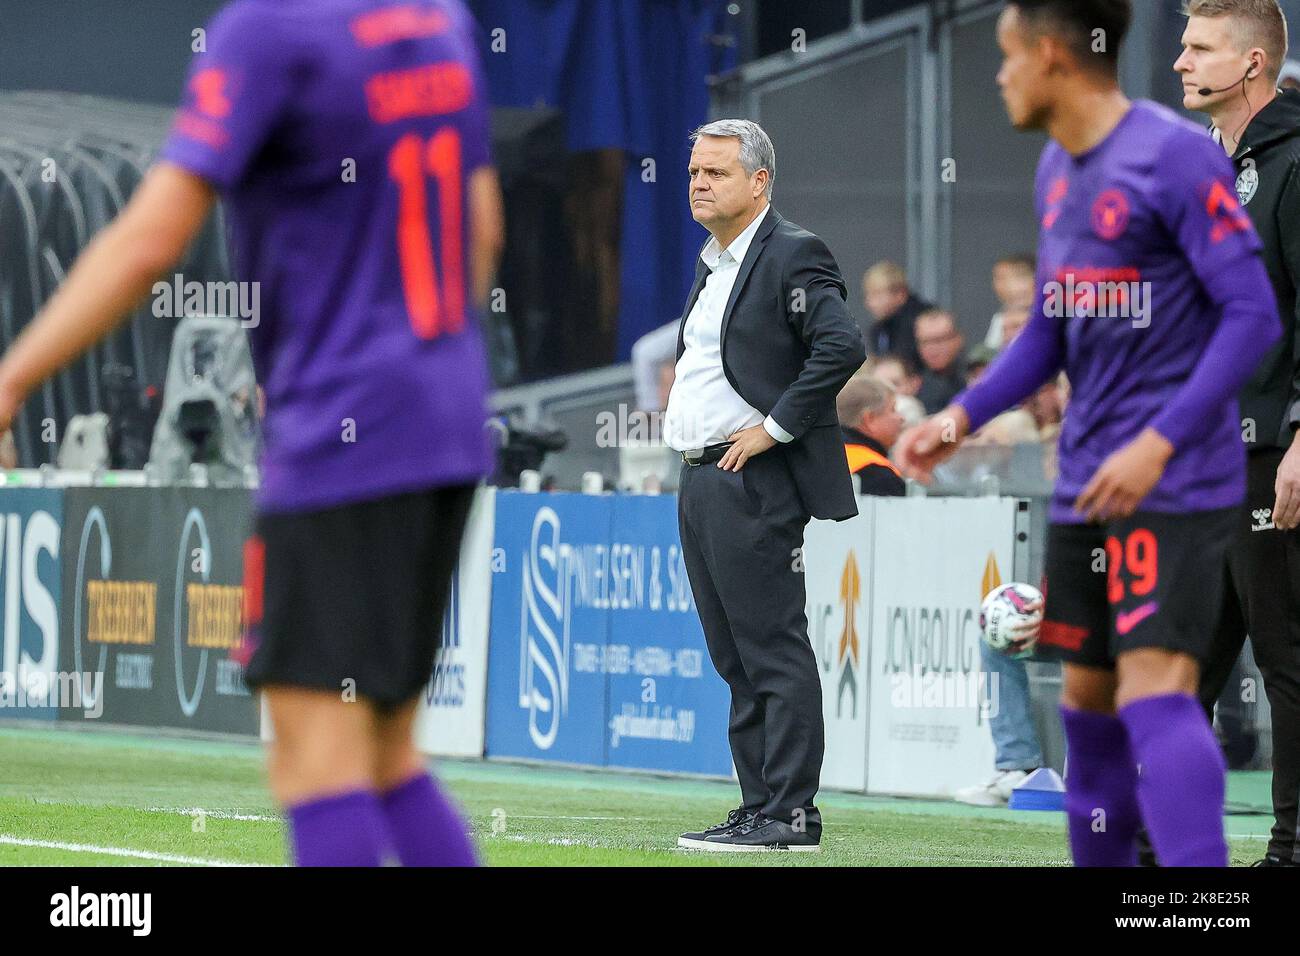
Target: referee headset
1251	72
1250	75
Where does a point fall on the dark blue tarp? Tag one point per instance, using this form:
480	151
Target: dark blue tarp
630	75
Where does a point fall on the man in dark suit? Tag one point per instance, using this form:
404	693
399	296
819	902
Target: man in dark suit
765	344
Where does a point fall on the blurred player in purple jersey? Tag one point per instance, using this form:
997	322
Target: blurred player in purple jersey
1153	298
349	142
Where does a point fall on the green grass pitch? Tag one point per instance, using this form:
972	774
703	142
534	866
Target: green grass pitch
115	798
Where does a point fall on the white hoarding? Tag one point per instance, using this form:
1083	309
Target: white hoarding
452	709
935	558
838	564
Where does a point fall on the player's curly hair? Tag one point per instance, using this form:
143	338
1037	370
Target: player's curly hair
1094	29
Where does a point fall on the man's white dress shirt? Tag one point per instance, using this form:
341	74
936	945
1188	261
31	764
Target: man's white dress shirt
703	408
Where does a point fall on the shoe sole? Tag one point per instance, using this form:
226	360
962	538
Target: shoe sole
981	801
711	847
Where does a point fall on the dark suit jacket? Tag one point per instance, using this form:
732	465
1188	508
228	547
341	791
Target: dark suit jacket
788	346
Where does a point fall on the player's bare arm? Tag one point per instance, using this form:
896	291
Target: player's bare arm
110	278
487	229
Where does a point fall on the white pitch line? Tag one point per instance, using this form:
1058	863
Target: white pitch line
229	815
521	816
214	814
550	841
119	851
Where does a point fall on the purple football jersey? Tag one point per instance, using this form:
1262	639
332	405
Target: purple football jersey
341	135
1153	298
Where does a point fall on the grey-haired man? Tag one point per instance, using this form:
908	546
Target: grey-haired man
766	343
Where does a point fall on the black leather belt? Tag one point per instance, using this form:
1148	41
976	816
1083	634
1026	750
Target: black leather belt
706	456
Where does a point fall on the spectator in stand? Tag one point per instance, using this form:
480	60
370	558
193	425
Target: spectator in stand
978	359
667	375
943	373
894	308
1012	275
1289	78
1014	319
650	354
899	374
1037	420
871	424
1013	427
1047	406
1016	749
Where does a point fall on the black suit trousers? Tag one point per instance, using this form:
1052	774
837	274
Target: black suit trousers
742	539
1262	600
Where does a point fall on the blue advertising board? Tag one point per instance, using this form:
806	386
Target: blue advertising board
31	685
596	653
668	707
551	573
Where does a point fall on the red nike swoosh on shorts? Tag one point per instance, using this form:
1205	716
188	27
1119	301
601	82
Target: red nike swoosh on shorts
1126	622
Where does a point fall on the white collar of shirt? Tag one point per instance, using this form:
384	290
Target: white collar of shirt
712	255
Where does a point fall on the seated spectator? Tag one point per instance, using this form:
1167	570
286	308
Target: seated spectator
1014	319
1047	406
893	308
943	373
1013	427
899	373
1016	749
978	359
1289	79
1011	276
871	425
649	355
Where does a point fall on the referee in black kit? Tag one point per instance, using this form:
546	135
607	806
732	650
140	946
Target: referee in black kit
1233	51
766	342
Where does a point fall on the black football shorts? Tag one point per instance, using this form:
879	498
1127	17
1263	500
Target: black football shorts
354	593
1150	580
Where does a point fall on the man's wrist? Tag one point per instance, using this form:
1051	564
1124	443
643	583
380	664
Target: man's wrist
778	433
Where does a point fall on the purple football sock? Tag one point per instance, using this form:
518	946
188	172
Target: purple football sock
427	830
1100	790
1181	785
345	829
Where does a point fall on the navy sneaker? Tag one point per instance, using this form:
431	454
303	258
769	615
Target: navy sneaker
696	841
764	833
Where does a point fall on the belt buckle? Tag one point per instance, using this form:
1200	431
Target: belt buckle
696	460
